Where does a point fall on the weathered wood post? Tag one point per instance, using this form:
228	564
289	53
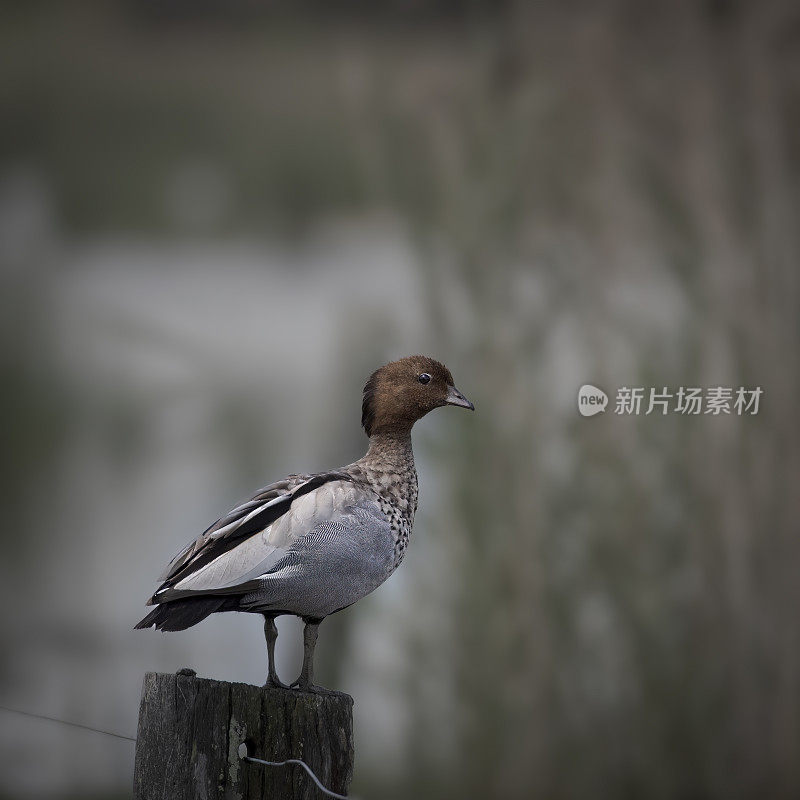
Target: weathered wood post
191	729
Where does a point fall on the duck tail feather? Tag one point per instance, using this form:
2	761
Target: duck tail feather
178	615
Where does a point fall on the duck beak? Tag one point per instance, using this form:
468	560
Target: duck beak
455	398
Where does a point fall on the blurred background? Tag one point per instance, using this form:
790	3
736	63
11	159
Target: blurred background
217	217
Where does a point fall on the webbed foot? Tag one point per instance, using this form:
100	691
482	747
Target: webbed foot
306	686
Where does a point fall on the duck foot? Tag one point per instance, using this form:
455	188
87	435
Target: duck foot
307	686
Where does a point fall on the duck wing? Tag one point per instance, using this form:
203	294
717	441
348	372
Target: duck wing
251	536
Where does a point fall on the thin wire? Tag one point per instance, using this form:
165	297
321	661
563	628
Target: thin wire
298	761
305	767
67	722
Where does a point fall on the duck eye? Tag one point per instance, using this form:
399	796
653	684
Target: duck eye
424	378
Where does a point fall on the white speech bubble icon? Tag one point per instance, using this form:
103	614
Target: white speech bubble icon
591	400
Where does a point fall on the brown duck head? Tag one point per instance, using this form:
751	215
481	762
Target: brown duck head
401	392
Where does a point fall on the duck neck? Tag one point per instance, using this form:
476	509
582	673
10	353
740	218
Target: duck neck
391	450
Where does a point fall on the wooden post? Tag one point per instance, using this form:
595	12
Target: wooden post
191	729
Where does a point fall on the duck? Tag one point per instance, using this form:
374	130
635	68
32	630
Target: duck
313	544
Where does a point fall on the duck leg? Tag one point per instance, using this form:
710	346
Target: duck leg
303	683
271	635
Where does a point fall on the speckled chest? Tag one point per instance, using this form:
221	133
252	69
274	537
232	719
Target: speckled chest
397	497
